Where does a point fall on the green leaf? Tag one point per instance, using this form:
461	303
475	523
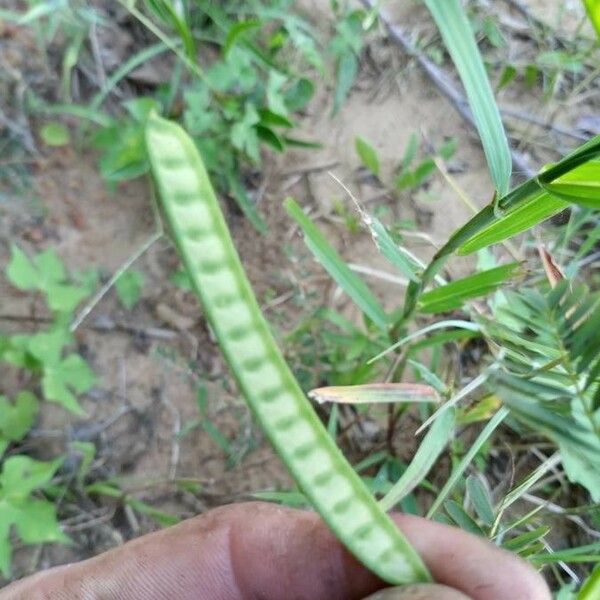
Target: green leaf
368	155
243	133
162	518
453	295
141	108
480	499
129	288
45	272
458	37
271	138
522	208
64	297
390	250
60	379
17	418
182	280
291	499
87	452
579	445
461	518
593	10
20	271
34	519
580	186
299	95
465	461
237	32
268	118
47	347
353	285
21	475
51	268
434	442
537	208
591	587
55	134
347	70
36	522
523	541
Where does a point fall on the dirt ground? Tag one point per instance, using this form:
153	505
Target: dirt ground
151	360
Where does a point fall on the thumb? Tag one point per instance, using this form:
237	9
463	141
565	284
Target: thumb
427	591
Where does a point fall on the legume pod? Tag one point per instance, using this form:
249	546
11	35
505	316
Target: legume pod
206	248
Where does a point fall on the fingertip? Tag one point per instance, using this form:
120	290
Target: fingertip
472	564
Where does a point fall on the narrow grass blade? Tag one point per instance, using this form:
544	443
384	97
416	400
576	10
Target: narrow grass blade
429	450
462	393
400	258
458	514
580	186
459	40
390	250
591	588
586	553
129	65
433	327
453	295
367	155
550	463
376	393
525	206
333	263
486	432
593	11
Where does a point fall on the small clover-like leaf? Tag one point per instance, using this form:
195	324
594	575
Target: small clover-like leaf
21	475
36	522
46	272
21	272
50	267
61	379
65	298
16	418
34	519
47	347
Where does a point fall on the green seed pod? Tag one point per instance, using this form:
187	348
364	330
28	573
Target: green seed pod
207	250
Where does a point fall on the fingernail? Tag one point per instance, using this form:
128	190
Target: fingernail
419	592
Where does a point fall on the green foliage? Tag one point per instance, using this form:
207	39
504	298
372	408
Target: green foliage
544	377
46	273
129	288
345	47
62	374
460	42
551	375
351	283
16	418
368	155
411	176
55	134
240	102
453	296
34	518
593	10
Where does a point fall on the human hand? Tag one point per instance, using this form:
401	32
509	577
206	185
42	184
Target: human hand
263	551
